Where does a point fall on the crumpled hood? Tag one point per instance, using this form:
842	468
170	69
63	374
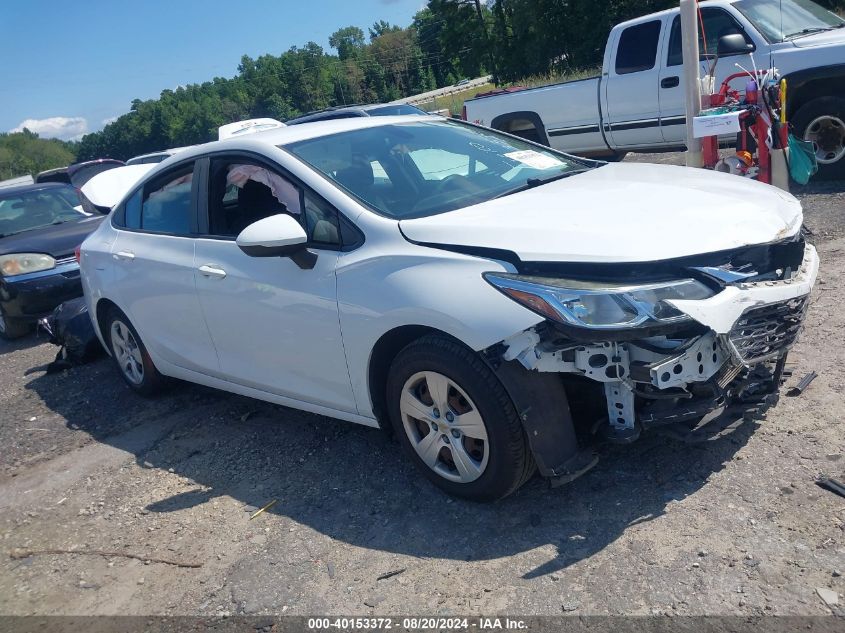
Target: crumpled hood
620	213
58	240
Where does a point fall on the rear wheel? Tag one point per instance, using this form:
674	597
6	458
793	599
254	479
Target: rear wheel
822	122
11	329
456	420
131	357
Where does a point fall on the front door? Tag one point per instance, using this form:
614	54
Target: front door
274	322
715	22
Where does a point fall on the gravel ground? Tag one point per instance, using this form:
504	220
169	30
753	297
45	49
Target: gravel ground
733	525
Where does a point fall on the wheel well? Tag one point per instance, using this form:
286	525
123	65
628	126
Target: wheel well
515	122
384	351
103	307
822	87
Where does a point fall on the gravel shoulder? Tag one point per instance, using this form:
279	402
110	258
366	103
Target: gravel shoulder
734	525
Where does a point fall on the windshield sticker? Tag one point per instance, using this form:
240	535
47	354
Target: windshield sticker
535	159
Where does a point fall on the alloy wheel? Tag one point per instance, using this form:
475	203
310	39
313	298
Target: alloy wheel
444	426
127	352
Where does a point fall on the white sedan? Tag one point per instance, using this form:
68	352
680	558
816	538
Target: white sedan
476	294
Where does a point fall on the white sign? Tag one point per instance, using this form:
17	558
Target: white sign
716	124
535	159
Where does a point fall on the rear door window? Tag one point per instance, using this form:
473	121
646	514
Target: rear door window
166	205
637	50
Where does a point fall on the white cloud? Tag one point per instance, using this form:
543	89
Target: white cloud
63	127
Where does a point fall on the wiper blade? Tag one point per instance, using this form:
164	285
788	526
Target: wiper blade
536	182
815	29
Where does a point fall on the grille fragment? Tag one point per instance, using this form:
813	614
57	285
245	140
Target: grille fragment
767	332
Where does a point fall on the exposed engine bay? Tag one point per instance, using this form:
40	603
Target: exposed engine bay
684	358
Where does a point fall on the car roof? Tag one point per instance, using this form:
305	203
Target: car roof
162	152
8	192
97	161
71	169
302	132
354	109
319	115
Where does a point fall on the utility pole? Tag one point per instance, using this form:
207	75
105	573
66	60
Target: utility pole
692	83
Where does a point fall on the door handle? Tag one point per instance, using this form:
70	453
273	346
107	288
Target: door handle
209	270
670	82
124	255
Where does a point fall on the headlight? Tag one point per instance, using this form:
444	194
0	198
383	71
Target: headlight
22	263
597	305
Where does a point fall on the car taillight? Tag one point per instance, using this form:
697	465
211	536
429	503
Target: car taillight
77	253
464	113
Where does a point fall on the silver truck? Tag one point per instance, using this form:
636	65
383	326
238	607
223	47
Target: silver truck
637	104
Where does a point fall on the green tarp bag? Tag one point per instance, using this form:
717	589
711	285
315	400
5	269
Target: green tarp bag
802	160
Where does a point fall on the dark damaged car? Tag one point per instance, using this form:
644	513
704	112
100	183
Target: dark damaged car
41	226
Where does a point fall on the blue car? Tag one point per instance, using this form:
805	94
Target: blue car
41	226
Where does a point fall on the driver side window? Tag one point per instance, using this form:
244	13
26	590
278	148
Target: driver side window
715	23
242	192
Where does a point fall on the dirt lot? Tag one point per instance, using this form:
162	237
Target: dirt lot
734	525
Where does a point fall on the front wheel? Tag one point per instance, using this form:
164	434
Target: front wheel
822	122
11	329
456	420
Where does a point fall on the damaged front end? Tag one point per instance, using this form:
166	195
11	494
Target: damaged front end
666	342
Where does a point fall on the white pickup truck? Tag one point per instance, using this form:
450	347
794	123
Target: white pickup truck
638	102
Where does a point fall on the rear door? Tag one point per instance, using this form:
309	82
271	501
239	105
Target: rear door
153	259
632	85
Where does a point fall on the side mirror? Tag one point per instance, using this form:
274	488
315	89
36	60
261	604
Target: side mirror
274	236
733	44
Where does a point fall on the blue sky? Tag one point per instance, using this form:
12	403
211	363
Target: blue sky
68	67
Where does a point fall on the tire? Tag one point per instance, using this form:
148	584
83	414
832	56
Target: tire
615	157
131	358
824	119
476	405
530	134
11	329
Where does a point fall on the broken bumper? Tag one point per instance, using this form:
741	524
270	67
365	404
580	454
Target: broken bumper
660	379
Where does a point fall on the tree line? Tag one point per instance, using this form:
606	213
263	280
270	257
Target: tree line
446	41
23	153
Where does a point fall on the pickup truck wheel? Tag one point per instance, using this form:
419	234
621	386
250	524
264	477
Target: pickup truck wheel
11	329
456	421
822	122
131	357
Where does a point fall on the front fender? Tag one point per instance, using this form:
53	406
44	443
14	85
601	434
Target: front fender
810	83
426	287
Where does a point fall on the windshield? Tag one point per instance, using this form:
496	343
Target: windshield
27	210
411	170
788	19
